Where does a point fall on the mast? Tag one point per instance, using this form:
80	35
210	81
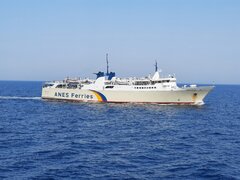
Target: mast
156	66
107	64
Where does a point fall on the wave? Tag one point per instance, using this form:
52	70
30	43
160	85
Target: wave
19	97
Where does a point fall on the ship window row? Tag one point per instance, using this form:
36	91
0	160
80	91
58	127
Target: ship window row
162	81
61	86
145	87
109	87
69	86
152	82
47	85
142	83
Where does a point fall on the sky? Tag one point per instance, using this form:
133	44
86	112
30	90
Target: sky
197	40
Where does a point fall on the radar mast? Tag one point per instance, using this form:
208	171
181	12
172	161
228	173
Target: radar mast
156	66
107	64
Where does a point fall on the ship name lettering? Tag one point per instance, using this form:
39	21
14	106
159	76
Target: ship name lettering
73	95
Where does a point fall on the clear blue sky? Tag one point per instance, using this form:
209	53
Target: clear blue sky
198	40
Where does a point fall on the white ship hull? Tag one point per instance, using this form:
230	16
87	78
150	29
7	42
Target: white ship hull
185	96
108	88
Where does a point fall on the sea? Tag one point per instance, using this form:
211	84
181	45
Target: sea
42	139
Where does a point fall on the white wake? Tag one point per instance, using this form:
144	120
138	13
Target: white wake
19	97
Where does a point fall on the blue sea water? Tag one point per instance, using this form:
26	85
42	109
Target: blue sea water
58	140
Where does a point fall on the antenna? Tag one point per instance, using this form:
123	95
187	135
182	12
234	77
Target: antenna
156	66
107	64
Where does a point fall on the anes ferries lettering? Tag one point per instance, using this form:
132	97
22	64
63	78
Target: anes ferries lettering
73	95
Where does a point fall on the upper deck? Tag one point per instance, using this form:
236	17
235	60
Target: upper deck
104	83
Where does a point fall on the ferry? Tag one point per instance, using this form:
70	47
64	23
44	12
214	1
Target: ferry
107	88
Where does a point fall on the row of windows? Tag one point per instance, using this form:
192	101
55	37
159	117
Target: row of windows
109	87
69	86
142	83
163	81
61	86
151	82
47	85
144	87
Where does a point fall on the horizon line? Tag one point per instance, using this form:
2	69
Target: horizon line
237	84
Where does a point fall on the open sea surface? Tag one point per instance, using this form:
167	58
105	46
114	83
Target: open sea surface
42	139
